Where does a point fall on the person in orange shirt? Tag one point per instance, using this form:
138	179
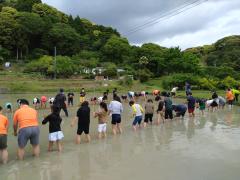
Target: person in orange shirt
229	97
25	125
3	137
156	92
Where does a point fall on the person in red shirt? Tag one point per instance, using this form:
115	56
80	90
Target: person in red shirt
25	124
43	102
3	137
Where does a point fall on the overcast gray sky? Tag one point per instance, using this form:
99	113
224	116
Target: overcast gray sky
203	24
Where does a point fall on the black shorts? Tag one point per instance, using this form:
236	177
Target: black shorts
116	119
83	128
168	114
148	117
3	141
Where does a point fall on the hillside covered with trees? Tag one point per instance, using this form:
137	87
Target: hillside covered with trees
30	29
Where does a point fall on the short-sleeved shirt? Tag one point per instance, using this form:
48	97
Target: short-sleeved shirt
70	95
137	109
25	117
83	115
3	124
115	107
168	103
191	102
149	108
44	99
59	100
181	108
54	122
174	90
229	96
82	93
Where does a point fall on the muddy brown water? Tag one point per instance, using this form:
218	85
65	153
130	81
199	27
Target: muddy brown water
206	147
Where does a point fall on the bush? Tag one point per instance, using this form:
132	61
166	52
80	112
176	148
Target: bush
45	66
126	81
207	84
110	70
144	75
179	80
228	82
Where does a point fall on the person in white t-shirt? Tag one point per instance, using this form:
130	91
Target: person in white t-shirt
115	109
174	91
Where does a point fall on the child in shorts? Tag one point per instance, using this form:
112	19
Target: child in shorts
3	137
149	110
102	115
137	113
55	133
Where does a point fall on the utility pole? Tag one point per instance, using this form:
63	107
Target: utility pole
55	62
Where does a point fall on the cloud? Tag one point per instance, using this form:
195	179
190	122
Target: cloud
205	23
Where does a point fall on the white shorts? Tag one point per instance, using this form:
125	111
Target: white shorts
102	128
55	136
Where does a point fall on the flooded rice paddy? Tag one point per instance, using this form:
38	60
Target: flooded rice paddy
206	147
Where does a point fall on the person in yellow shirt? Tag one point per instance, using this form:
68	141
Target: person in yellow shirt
236	94
3	137
82	95
137	113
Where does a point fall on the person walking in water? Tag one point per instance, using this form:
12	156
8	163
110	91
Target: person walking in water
70	98
187	88
168	107
137	114
191	101
82	95
115	109
160	111
230	98
60	101
43	102
83	119
25	124
149	110
55	132
3	137
102	115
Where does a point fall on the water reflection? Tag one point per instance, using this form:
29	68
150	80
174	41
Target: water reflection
207	139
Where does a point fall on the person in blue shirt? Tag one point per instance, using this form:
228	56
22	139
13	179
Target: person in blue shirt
191	101
180	110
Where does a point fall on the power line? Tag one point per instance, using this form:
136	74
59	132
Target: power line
166	15
156	17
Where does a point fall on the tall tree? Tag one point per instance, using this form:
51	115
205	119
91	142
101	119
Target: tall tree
26	5
64	37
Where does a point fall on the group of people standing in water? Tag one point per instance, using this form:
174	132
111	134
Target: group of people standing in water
26	126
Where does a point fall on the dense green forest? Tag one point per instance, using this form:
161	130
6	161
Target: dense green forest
30	29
